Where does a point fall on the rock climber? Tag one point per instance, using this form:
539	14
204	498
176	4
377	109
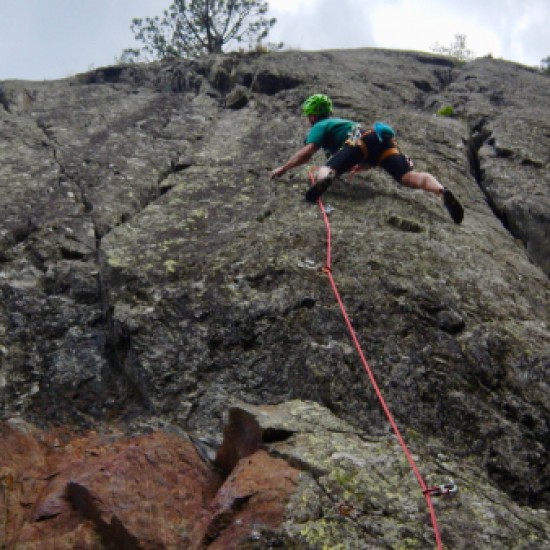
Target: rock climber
351	148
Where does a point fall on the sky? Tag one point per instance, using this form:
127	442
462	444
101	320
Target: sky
51	39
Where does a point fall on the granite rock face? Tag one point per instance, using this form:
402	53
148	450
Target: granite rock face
152	275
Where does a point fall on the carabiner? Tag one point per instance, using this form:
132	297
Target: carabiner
439	490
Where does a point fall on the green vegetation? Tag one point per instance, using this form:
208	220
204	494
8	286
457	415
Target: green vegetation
192	28
446	110
457	49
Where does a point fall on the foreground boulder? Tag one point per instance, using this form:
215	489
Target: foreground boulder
151	491
309	481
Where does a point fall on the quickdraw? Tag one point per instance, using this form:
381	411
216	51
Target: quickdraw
440	490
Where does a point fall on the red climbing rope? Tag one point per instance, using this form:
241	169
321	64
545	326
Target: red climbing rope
428	492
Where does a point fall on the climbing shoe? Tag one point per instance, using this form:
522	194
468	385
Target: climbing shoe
319	187
453	206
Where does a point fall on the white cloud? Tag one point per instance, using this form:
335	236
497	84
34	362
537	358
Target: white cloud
322	24
503	28
57	38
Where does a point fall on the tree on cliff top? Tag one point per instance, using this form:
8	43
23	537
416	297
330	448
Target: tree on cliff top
191	28
457	49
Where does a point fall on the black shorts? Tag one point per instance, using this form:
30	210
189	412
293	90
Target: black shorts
346	158
397	166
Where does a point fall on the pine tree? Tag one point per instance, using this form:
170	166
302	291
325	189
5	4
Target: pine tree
191	28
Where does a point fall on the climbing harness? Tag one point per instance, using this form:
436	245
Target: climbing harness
428	492
356	140
387	153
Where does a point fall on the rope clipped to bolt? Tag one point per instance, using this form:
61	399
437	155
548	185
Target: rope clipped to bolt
428	492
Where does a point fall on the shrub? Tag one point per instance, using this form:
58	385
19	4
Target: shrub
446	110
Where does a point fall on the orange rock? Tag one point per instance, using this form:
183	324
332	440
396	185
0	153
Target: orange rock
254	495
153	491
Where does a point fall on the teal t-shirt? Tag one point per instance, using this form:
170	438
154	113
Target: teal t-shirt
330	133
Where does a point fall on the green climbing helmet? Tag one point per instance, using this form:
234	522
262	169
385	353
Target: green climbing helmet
318	104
